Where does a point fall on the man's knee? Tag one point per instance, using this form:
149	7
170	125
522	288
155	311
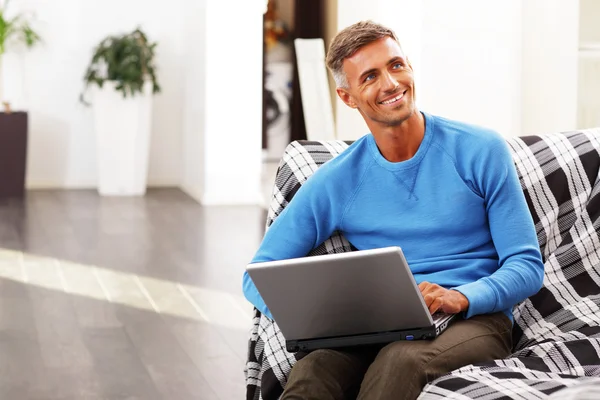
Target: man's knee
310	363
398	370
406	367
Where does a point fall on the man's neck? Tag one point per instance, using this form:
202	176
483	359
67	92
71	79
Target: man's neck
401	142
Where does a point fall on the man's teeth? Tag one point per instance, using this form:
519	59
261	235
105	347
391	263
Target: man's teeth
393	100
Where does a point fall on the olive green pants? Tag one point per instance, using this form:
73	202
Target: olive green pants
401	369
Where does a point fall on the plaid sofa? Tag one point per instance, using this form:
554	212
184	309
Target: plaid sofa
557	331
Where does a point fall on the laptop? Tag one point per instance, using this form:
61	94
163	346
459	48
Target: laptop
355	298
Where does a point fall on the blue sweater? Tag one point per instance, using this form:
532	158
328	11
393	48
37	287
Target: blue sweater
456	209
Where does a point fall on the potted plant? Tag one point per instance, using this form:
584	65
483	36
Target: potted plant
13	125
122	79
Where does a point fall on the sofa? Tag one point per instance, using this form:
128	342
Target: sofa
556	335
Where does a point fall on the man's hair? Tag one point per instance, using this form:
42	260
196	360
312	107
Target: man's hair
348	41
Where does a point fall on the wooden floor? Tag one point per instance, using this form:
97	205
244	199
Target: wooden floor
123	298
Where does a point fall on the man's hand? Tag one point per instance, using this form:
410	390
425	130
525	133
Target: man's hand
439	299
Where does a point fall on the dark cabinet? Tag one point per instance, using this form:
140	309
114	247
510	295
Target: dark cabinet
13	154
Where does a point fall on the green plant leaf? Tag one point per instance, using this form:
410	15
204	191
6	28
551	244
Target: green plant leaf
126	59
18	27
30	37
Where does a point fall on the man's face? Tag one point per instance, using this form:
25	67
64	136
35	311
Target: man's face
381	83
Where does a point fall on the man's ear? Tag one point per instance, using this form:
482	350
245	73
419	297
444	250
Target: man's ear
346	98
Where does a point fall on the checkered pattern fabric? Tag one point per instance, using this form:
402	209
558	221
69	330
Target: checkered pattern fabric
557	331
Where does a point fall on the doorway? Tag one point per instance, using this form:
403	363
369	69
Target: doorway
283	117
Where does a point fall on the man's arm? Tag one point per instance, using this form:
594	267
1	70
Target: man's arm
521	270
309	219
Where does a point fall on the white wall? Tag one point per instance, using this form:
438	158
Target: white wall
589	29
472	62
588	113
550	66
61	144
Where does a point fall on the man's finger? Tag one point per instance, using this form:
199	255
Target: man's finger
429	298
423	285
434	289
429	288
436	305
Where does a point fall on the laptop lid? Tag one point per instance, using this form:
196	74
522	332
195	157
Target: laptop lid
368	291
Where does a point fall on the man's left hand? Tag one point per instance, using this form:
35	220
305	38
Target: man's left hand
439	299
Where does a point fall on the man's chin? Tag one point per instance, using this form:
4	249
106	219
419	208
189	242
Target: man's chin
391	118
398	118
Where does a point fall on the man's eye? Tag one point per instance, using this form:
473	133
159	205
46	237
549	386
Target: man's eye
370	77
398	66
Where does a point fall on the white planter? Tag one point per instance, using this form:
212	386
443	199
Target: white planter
122	128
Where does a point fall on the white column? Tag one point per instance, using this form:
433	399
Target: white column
550	65
402	16
194	99
232	124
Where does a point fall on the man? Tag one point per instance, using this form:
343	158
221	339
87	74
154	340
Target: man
446	192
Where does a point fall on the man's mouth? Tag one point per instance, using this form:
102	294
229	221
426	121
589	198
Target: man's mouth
393	100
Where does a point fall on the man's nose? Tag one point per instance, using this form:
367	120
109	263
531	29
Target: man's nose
389	83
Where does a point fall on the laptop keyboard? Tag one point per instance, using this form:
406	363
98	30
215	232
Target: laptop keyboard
440	317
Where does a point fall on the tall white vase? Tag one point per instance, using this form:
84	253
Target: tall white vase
122	128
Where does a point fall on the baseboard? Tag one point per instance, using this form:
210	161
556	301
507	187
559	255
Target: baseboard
208	199
193	191
163	184
38	185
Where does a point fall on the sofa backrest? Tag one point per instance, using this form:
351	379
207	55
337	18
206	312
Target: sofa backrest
558	174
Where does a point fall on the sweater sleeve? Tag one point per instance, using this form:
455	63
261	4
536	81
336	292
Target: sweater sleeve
307	221
521	271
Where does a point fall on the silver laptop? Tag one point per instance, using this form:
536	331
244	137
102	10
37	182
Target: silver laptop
346	299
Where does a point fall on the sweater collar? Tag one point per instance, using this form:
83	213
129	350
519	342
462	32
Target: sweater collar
416	159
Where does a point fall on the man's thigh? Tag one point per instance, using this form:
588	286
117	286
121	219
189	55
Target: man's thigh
478	339
329	374
406	366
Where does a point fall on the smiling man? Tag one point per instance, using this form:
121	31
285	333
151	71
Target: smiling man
446	192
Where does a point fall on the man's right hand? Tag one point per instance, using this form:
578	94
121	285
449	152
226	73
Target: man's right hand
438	298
